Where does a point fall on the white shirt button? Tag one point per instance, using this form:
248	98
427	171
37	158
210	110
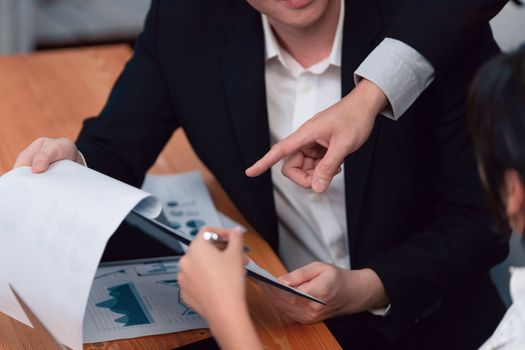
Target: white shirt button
339	251
307	88
317	197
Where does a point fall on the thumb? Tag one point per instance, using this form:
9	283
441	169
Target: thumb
328	167
303	274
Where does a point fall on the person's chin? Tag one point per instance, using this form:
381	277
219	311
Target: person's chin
300	16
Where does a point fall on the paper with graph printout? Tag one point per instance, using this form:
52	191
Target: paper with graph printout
53	230
185	199
186	202
187	206
137	299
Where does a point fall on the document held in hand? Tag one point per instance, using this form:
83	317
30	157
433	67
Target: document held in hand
54	228
166	234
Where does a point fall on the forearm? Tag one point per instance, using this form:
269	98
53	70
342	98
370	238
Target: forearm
423	273
376	298
403	65
401	73
138	118
234	329
100	159
372	99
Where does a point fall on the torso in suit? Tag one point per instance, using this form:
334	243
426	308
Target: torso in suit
415	207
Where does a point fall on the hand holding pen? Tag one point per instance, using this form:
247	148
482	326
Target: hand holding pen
213	283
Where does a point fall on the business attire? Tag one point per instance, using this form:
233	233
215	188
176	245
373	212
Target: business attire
438	31
412	200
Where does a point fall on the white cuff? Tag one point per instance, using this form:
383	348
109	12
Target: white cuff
399	71
382	311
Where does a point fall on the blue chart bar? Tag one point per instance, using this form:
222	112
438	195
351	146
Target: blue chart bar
126	301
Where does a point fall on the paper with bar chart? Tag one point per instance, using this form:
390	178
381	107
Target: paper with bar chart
135	300
54	227
187	204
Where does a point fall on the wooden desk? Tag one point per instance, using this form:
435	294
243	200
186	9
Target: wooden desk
49	94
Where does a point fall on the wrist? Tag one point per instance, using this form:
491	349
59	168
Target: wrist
372	100
227	315
235	330
376	297
365	291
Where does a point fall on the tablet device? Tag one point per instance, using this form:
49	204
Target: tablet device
131	242
168	236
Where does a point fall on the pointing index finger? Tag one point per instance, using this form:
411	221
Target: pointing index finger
280	150
274	155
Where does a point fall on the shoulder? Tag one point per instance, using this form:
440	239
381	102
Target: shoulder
195	17
389	10
191	24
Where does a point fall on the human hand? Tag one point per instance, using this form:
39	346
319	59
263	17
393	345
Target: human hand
344	292
44	151
212	281
315	152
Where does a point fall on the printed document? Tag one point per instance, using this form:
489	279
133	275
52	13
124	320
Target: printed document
135	299
53	230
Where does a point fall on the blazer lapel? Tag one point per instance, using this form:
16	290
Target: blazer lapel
361	27
243	68
244	84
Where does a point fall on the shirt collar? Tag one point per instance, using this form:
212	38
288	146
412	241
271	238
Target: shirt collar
273	49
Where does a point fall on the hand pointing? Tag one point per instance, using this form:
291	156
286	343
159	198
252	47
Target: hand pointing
315	152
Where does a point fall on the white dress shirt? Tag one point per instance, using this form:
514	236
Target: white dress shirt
510	334
312	227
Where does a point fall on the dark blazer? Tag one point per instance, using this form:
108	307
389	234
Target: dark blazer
415	207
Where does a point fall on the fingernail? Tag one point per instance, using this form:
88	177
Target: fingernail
319	185
285	279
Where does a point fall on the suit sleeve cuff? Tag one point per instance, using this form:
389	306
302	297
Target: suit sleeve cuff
399	71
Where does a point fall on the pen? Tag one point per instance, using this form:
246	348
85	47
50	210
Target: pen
218	241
